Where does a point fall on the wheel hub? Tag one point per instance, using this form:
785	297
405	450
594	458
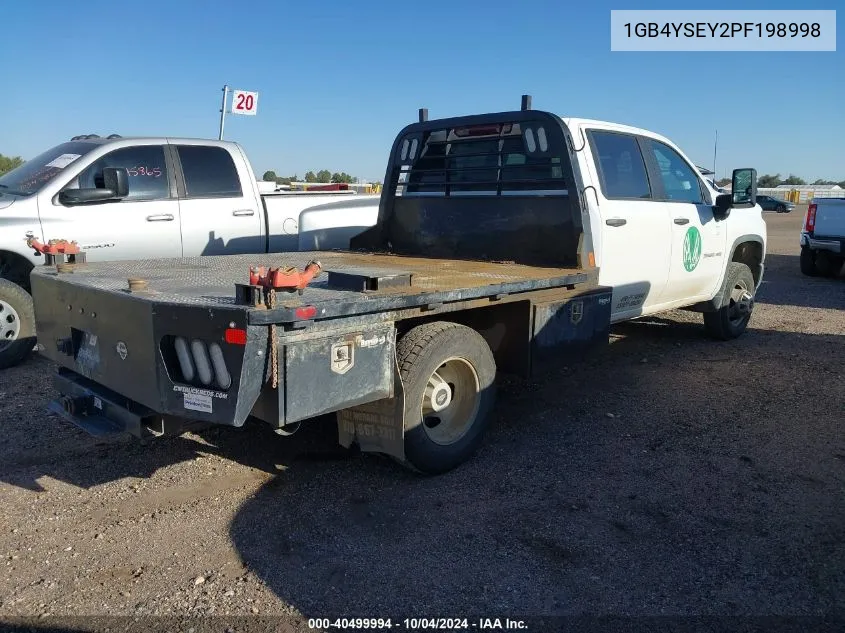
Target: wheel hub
450	401
745	303
10	324
438	394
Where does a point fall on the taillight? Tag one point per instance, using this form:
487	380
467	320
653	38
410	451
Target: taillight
306	312
810	222
235	336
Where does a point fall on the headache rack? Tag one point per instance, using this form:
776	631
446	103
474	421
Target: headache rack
516	157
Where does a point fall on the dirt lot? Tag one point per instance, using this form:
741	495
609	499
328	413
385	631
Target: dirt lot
671	475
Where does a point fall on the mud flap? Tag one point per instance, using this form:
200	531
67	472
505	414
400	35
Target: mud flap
377	427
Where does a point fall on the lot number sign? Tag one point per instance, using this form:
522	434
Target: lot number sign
244	102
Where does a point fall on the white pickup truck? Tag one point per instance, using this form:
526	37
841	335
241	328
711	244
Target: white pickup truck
503	242
179	198
823	237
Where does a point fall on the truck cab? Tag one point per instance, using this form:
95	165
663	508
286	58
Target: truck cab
642	212
660	238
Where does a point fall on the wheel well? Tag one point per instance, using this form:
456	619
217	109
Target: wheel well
750	254
15	268
505	328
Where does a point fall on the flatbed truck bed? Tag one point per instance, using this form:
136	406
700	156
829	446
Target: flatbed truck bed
401	335
395	281
330	348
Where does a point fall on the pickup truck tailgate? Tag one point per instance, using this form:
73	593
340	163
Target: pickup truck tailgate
830	218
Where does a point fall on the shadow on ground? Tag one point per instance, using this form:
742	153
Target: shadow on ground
694	497
783	284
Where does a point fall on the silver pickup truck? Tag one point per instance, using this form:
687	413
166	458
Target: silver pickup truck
823	238
138	198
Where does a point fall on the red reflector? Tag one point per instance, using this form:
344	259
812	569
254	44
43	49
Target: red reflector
306	312
810	224
235	336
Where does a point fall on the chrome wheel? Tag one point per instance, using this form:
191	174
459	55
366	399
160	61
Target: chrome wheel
741	304
10	324
450	401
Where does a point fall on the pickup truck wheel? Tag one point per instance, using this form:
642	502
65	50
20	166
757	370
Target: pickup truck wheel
448	373
731	320
17	324
808	262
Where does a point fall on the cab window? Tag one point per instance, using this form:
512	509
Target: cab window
680	184
209	172
145	164
622	171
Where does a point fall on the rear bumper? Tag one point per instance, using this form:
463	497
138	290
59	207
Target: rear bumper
831	244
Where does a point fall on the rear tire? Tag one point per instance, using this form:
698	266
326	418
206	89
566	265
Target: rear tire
448	373
17	324
731	320
808	262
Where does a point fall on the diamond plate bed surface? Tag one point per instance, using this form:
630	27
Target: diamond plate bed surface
210	280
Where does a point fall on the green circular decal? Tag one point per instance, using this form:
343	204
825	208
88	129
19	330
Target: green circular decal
692	248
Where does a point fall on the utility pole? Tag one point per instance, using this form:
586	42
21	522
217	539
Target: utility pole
223	111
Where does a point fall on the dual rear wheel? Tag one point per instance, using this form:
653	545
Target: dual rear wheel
448	373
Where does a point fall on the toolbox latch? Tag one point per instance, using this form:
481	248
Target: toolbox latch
342	357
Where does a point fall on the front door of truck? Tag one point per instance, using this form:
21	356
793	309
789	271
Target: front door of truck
697	239
220	213
144	225
633	256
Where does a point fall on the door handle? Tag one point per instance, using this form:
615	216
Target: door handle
616	221
243	212
161	217
681	220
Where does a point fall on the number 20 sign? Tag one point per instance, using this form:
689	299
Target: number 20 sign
244	102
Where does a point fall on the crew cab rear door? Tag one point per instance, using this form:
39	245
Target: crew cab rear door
219	208
635	231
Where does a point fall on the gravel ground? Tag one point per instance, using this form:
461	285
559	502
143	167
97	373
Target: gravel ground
669	475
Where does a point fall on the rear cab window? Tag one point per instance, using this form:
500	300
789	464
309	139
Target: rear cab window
209	172
519	158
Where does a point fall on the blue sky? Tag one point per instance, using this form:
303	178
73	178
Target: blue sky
338	80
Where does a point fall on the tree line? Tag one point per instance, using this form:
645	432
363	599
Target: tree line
8	163
771	181
322	176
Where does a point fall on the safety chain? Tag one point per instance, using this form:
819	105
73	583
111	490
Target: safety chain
274	348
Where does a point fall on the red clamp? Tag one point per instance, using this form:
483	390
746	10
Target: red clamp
53	247
284	279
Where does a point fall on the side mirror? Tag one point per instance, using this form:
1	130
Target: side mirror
116	181
744	188
743	193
